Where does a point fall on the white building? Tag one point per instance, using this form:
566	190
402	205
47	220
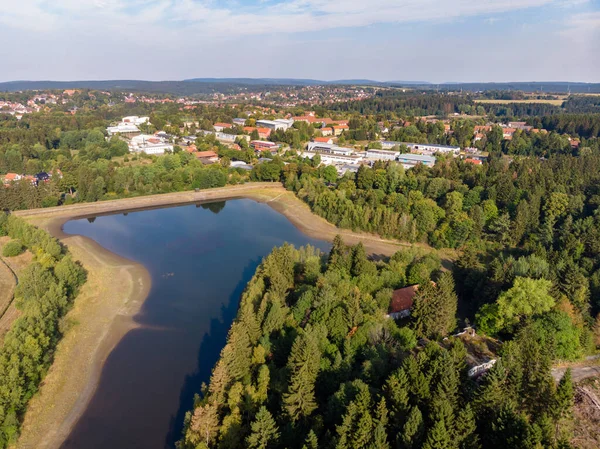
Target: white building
149	144
328	148
382	155
410	160
123	129
135	120
334	159
422	148
276	124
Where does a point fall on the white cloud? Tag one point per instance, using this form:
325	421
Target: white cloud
173	39
207	18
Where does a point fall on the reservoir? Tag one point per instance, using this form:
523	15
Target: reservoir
200	258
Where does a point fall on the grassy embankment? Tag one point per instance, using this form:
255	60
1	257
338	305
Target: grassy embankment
116	288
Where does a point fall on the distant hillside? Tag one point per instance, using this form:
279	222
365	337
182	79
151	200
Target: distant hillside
228	85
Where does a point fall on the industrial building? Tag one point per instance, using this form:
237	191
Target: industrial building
422	148
328	148
382	155
149	144
276	124
410	160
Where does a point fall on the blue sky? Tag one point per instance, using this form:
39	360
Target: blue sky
428	40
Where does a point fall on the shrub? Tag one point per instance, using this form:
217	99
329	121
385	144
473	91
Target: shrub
13	248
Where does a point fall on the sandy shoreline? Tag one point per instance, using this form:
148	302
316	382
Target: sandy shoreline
116	289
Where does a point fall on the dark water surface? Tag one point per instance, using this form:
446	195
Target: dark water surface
200	258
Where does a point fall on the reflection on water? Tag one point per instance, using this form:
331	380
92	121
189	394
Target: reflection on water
200	259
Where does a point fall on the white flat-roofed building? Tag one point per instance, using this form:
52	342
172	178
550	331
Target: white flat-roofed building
123	129
334	159
328	148
276	124
149	144
422	148
135	120
389	144
343	169
382	155
431	149
409	160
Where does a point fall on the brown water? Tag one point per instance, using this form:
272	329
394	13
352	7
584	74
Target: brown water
200	258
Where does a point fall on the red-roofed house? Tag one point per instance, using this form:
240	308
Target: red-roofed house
341	122
473	161
507	133
261	145
10	177
207	157
338	129
402	301
327	131
323	140
221	126
263	133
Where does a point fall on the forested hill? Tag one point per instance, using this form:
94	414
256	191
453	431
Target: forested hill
224	85
312	362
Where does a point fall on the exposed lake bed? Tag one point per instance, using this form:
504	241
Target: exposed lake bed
200	258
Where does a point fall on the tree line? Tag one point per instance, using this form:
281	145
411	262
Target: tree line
46	290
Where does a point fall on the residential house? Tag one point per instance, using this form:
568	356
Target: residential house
327	131
261	145
339	129
11	177
219	127
328	140
239	121
263	133
207	157
507	133
402	302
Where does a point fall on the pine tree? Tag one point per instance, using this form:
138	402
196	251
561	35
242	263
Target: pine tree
424	310
380	433
311	441
447	303
264	432
438	437
360	263
303	364
396	390
465	427
339	257
413	430
563	401
237	354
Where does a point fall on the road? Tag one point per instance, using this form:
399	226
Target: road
591	368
